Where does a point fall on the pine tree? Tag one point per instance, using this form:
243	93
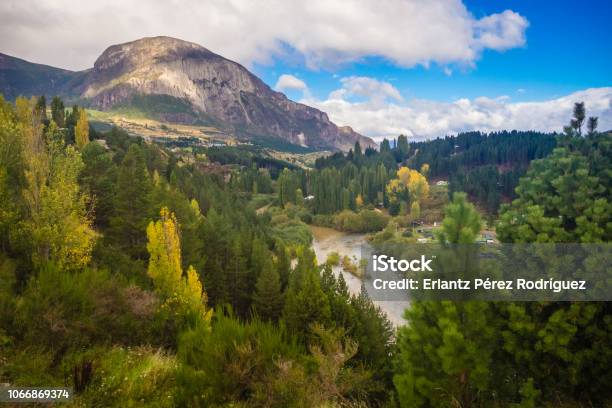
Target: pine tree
385	147
461	223
402	147
41	109
99	179
461	336
58	114
283	266
579	116
268	297
305	303
592	125
133	203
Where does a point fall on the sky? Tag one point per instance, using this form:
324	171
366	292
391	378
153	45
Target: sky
423	68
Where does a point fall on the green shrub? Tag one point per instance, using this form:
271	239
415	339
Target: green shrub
62	310
232	362
363	221
124	377
333	258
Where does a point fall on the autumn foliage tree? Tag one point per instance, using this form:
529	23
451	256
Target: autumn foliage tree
58	225
183	297
81	130
409	187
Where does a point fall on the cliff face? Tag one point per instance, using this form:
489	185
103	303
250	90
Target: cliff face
186	83
215	87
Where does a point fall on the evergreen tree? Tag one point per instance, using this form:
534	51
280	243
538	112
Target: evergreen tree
268	297
58	114
402	147
592	125
461	223
99	178
579	116
283	266
41	109
133	203
460	337
305	302
385	147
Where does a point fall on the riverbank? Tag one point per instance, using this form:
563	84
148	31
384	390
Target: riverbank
327	240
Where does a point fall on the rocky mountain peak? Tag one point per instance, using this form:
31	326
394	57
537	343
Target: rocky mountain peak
215	90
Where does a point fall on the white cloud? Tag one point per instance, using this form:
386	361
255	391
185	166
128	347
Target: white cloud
373	90
323	33
287	81
501	31
423	119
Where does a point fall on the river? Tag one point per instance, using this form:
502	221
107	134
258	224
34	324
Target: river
327	240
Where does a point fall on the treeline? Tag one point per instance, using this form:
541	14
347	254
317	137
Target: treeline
247	156
120	261
486	166
339	182
472	149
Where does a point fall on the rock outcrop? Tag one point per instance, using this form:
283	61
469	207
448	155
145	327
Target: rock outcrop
218	91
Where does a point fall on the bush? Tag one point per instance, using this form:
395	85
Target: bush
333	259
232	362
364	221
350	267
122	377
62	310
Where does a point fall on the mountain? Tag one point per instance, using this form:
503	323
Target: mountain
182	82
20	77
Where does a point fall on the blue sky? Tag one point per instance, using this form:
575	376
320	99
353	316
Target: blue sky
423	68
569	48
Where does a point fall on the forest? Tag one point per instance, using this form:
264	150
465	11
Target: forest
133	275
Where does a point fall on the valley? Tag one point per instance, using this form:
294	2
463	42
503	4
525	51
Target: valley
176	231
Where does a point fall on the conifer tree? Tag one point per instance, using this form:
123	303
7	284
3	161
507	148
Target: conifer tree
268	297
305	303
58	114
133	203
460	336
283	265
41	109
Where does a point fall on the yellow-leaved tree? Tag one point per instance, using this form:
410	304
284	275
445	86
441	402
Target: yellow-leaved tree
58	226
81	130
425	169
410	186
183	296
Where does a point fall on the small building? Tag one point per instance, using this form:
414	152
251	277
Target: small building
441	183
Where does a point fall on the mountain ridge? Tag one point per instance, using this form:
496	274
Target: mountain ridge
217	89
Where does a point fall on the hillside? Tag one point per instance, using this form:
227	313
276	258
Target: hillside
176	81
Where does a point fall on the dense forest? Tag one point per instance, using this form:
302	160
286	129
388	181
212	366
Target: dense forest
485	166
133	275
